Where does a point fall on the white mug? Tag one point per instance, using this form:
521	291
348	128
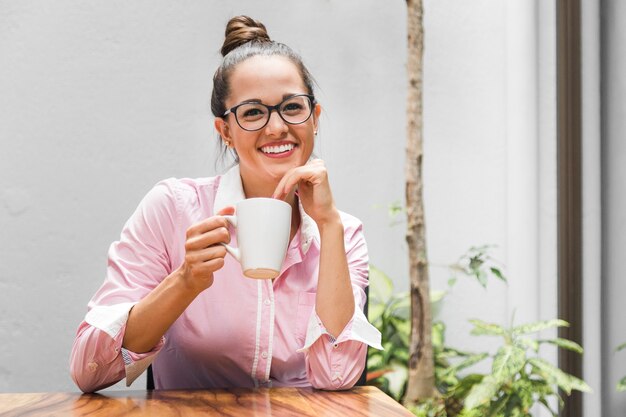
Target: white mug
263	226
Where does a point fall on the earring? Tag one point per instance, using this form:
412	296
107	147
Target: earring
227	143
315	132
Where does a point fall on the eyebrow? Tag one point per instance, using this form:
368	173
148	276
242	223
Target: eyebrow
256	100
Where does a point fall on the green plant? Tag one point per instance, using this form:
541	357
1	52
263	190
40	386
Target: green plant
621	385
389	313
519	377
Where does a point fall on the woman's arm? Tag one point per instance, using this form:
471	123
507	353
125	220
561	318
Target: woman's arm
136	267
334	362
334	302
153	315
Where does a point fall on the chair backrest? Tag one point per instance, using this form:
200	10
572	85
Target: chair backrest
360	382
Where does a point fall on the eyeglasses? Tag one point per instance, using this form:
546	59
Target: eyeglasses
253	116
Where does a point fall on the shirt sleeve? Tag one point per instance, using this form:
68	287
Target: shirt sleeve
137	263
336	364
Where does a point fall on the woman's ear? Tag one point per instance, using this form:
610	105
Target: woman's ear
223	130
316	112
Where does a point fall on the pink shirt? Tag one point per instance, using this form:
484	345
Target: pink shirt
240	332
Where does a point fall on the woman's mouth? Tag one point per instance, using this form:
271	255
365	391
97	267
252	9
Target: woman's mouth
278	151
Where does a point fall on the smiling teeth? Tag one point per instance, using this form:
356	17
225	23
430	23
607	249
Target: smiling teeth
277	149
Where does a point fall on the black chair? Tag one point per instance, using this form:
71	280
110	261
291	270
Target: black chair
361	381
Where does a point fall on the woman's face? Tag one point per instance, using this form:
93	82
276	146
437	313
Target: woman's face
268	79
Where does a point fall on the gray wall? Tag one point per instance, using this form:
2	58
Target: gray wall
614	203
100	100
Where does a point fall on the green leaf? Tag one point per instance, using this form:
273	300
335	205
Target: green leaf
452	281
541	387
374	362
381	286
538	326
545	403
438	335
482	393
527	343
497	273
508	362
565	344
578	384
375	313
565	381
470	361
496	407
400	306
437	295
621	385
552	374
620	347
484	328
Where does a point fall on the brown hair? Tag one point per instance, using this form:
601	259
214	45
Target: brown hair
245	38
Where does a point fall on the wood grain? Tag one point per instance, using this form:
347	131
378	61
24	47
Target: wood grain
283	402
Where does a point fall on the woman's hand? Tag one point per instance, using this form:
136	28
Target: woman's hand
203	252
311	181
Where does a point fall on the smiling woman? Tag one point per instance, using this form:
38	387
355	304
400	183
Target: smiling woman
173	298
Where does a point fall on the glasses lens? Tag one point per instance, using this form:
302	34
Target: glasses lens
296	109
251	116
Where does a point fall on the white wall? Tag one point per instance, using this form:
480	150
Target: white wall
99	101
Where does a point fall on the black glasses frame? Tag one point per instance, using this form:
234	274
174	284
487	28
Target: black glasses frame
233	110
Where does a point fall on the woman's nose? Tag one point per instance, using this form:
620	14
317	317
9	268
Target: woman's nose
276	125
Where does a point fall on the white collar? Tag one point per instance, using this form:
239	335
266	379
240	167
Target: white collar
230	192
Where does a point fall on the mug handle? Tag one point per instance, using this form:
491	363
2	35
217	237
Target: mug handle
235	252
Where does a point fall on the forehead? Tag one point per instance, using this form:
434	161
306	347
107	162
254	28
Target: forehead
266	78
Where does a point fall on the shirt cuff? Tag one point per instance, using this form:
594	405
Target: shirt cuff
111	320
136	363
358	328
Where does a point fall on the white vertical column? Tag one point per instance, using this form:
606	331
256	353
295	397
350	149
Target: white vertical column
592	209
522	159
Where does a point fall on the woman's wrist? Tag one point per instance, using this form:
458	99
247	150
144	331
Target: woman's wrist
331	222
185	282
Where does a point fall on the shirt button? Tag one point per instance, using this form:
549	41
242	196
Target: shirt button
335	346
264	355
267	302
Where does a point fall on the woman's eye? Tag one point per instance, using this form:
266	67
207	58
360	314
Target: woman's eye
252	113
292	107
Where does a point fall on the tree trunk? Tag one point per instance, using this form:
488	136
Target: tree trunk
421	381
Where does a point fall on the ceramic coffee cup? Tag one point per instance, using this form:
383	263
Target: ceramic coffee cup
263	226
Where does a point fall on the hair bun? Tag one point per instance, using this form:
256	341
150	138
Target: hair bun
241	30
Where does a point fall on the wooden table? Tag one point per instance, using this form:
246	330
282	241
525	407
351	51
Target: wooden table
359	401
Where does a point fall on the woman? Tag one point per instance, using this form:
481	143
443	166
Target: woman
173	298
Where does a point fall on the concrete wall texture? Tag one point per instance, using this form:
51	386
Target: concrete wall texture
101	100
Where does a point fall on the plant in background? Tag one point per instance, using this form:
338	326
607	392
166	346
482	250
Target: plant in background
519	377
389	312
621	385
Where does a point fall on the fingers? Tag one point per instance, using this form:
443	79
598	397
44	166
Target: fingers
206	260
216	236
204	253
313	173
226	211
211	223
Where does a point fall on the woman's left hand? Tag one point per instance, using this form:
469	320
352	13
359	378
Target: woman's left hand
313	188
